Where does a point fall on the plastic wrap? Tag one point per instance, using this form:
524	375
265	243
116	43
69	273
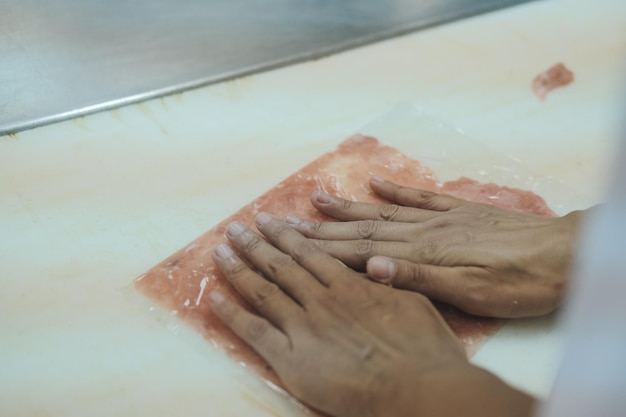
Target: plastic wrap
182	282
452	153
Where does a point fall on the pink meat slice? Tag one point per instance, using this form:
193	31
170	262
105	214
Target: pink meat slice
181	282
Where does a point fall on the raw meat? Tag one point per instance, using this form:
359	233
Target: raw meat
556	76
181	282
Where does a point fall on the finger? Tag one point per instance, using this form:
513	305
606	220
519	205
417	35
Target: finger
273	264
306	253
351	210
414	197
457	286
265	296
361	229
267	340
356	253
441	247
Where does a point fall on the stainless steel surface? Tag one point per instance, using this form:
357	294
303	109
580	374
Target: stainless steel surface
62	59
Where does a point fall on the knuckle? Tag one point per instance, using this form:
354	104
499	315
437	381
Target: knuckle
415	276
366	228
251	244
418	279
425	195
388	212
278	263
365	248
256	329
442	224
404	193
429	247
275	233
346	205
303	249
477	299
323	245
428	199
265	292
317	228
237	270
467	237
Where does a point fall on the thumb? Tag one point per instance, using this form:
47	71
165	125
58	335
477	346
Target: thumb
441	283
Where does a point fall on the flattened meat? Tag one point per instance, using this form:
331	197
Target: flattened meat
181	282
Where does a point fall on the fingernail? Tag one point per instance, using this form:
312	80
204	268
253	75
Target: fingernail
381	269
223	251
322	197
263	218
292	220
235	228
216	297
377	179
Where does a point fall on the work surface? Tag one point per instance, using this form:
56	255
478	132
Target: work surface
66	59
89	204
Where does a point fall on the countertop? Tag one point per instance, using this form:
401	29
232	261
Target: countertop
66	59
89	204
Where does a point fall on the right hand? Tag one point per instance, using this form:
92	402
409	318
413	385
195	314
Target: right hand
345	345
482	259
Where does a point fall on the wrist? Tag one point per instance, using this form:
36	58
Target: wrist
562	248
460	390
572	225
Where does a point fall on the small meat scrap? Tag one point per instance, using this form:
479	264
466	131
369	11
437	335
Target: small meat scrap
557	76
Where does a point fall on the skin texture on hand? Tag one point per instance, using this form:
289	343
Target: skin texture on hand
342	344
482	259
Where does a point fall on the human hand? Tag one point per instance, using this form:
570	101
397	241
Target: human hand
340	343
482	259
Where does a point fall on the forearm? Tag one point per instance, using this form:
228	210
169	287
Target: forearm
462	391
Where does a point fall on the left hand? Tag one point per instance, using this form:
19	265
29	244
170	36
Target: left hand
483	259
340	343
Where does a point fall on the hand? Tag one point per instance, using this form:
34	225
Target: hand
483	259
340	343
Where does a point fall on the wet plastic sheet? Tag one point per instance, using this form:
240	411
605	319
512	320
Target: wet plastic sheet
181	283
452	153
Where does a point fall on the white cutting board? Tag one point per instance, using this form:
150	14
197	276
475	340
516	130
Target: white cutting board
87	205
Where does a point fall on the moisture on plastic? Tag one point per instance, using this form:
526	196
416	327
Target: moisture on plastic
181	282
453	153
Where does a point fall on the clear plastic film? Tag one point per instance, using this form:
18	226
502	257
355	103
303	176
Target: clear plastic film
426	154
451	153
